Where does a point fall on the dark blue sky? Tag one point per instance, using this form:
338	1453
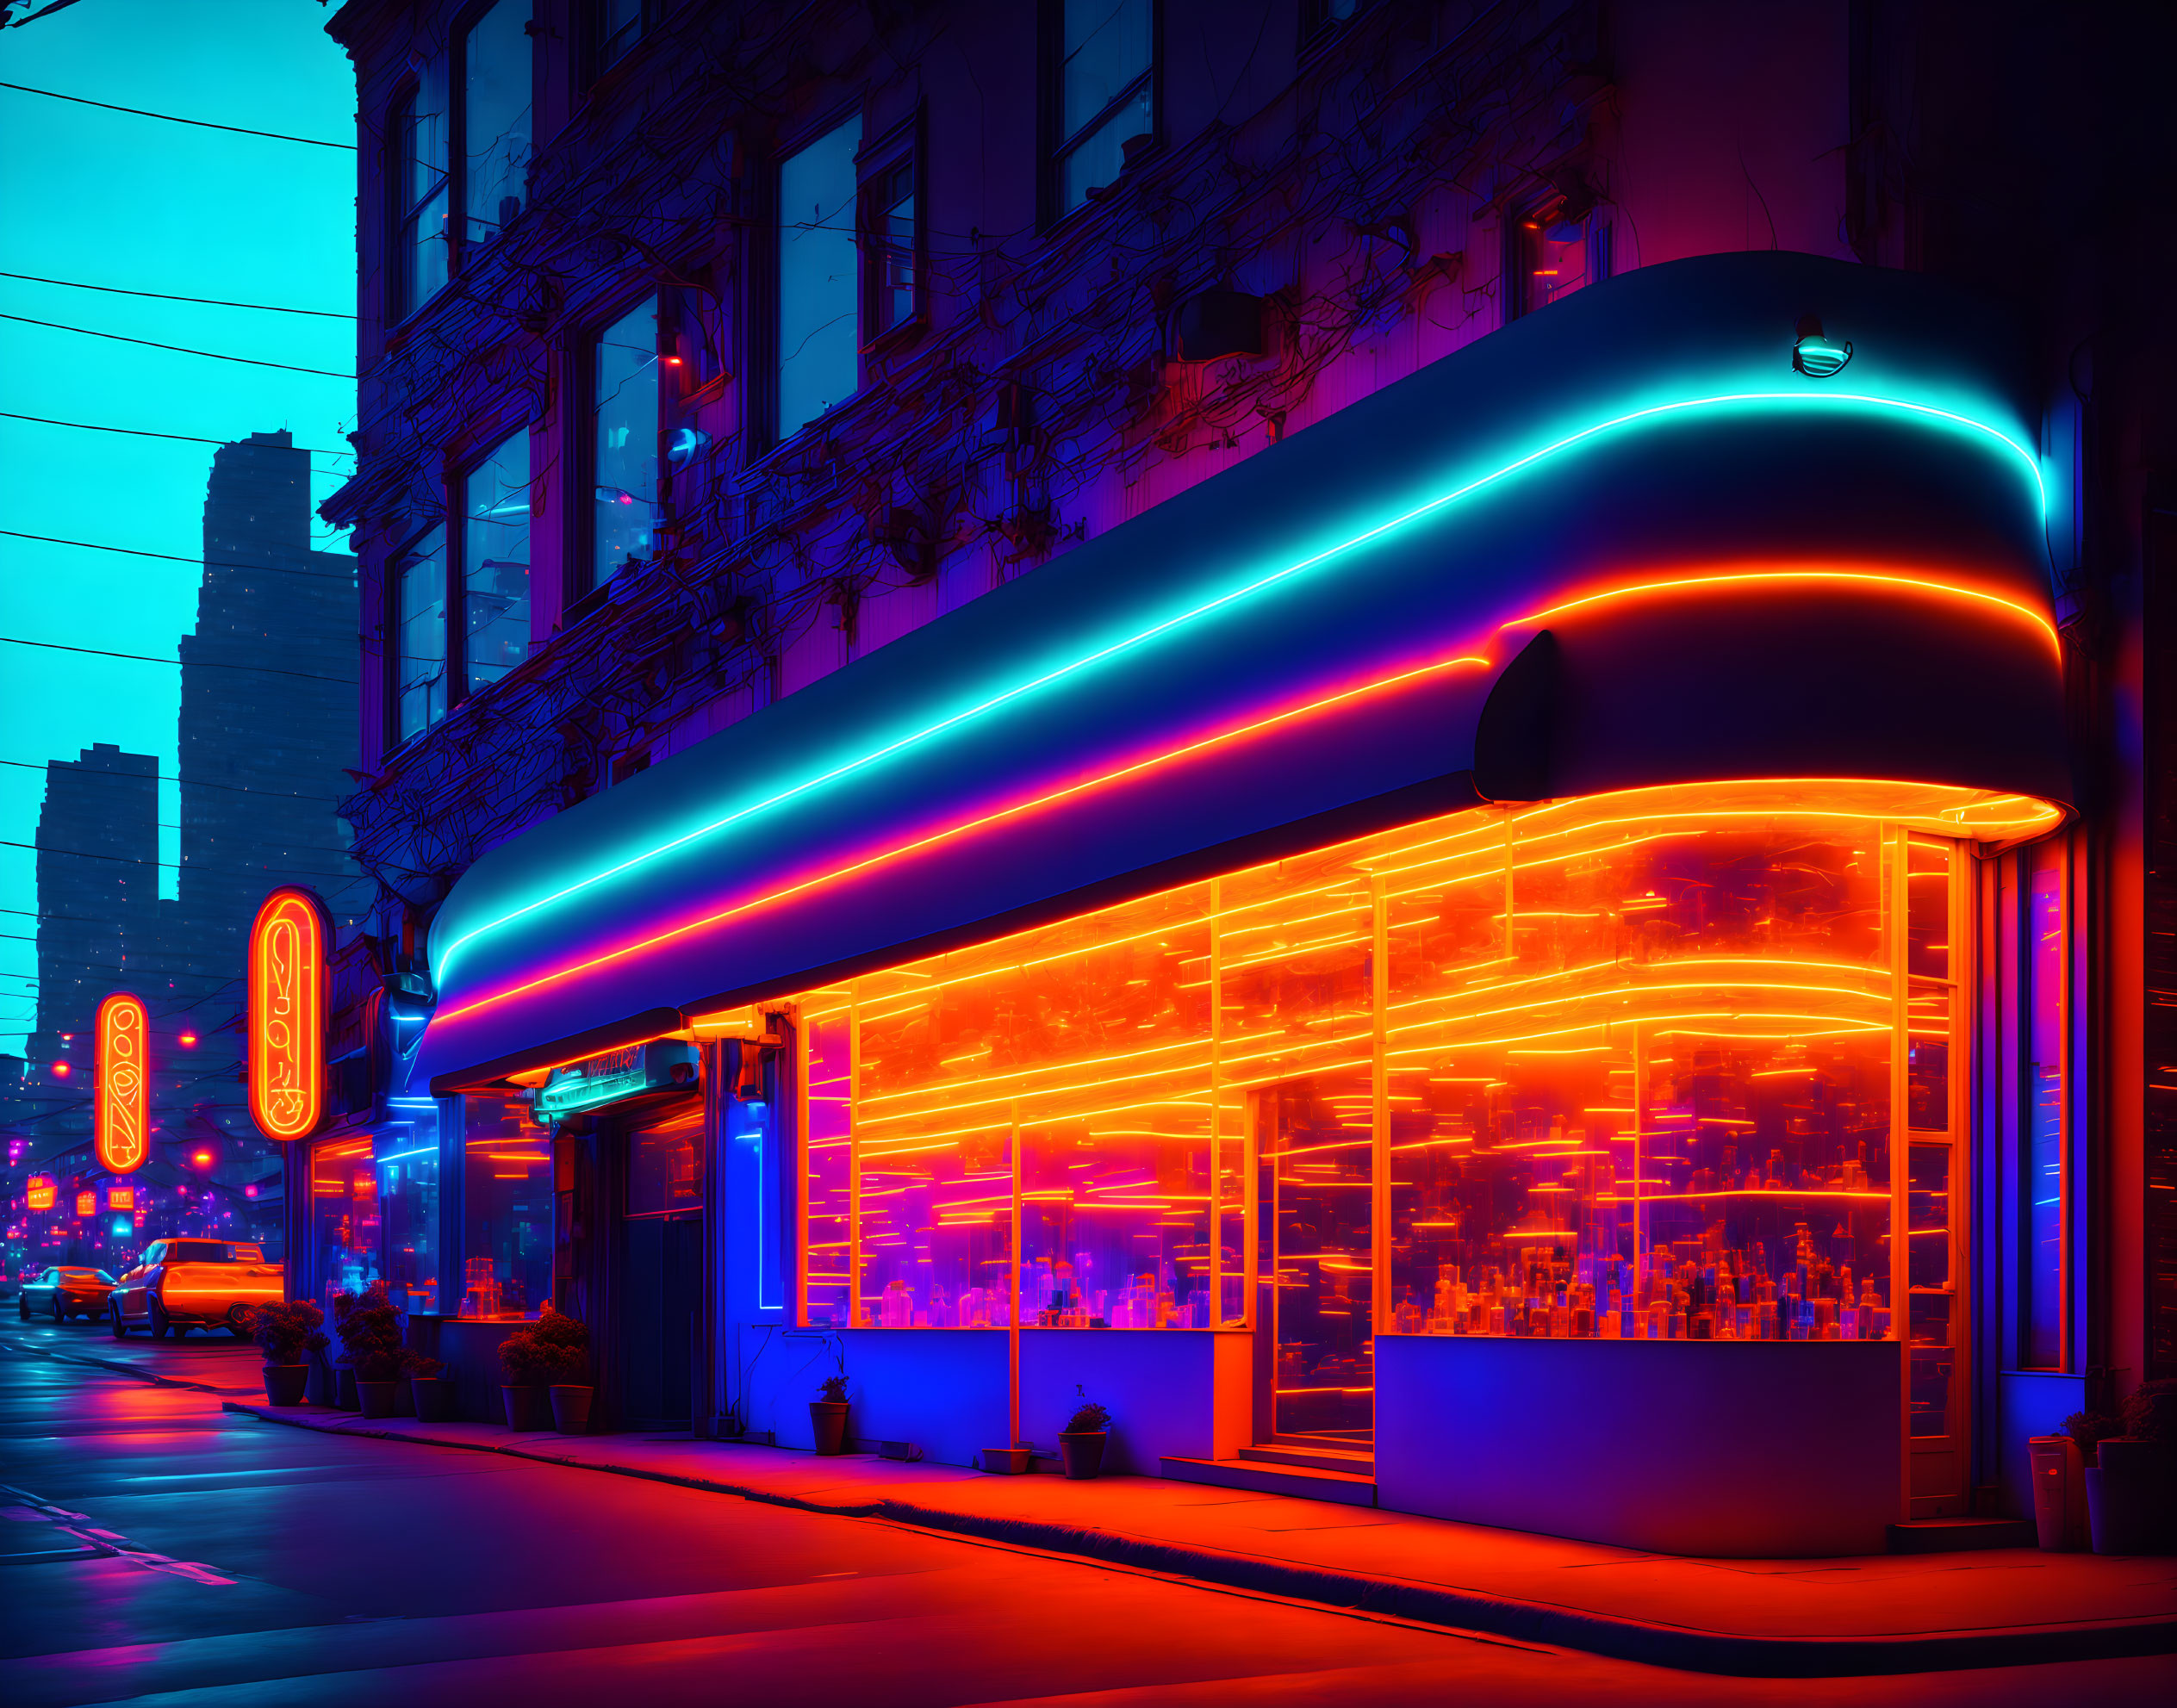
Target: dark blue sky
106	198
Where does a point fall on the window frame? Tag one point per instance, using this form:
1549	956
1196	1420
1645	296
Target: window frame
765	299
402	214
395	740
1056	148
582	584
901	146
457	688
460	246
589	58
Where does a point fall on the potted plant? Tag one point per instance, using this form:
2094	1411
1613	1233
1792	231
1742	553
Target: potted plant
567	1339
281	1330
828	1412
1080	1444
429	1388
2129	1488
369	1332
536	1357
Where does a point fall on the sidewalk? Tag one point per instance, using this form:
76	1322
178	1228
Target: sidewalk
1750	1617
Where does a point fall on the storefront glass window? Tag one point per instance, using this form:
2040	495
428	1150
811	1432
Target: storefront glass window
407	1163
343	1218
2042	1186
665	1166
506	1208
1618	1068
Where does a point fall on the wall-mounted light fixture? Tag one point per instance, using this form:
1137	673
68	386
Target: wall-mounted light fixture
1815	353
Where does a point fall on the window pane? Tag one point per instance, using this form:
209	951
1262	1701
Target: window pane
494	562
1107	46
827	1034
344	1220
495	67
1316	1201
1098	158
819	340
665	1165
1927	1057
1927	879
507	1210
619	27
2042	1269
419	659
1932	1363
420	203
1928	1215
407	1165
625	445
891	236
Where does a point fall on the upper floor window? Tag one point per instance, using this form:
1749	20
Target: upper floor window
417	177
494	564
1318	18
495	67
891	236
419	635
615	27
819	363
624	429
1106	108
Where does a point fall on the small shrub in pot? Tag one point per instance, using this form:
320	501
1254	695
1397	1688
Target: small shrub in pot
543	1362
428	1388
283	1330
1080	1444
828	1413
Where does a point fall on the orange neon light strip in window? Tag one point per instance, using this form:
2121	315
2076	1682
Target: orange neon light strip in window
1808	576
954	832
121	1101
287	991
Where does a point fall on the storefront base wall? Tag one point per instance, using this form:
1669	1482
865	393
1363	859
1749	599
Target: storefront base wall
1752	1450
944	1390
1180	1392
2027	1404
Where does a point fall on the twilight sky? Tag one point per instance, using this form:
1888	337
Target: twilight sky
107	198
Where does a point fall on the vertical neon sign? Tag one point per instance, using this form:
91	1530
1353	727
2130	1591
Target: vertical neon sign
287	1005
121	1105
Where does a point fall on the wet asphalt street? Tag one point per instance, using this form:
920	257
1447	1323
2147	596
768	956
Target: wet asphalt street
156	1549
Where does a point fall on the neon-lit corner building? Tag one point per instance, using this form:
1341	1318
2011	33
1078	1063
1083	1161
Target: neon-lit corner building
1515	940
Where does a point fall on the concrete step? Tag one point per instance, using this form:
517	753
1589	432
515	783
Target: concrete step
1947	1535
1314	1458
1341	1487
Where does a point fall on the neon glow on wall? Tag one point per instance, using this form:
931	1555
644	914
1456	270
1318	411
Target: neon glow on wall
999	696
287	1008
122	1105
40	1193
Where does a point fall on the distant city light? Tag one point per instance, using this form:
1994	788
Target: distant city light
202	1159
187	1040
61	1069
248	1191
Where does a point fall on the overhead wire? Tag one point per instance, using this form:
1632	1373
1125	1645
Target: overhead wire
180	349
191	664
168	296
176	118
147	433
177	557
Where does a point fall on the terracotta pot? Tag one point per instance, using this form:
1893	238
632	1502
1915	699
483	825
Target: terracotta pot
344	1396
828	1422
433	1397
570	1408
378	1398
528	1409
283	1384
1082	1451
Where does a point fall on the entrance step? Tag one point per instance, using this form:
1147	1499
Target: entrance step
1946	1535
1341	1459
1344	1487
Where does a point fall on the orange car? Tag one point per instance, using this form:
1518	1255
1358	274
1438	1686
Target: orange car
194	1283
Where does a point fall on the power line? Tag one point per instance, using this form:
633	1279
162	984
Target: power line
165	297
145	434
182	348
171	866
175	558
77	768
200	663
176	119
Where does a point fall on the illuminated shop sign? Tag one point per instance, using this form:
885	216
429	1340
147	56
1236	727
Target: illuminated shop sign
120	1198
41	1192
286	1007
607	1078
120	1117
86	1203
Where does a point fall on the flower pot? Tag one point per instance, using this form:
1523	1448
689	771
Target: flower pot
570	1408
529	1409
1005	1461
2126	1496
283	1384
1081	1451
323	1389
378	1397
433	1396
344	1397
828	1423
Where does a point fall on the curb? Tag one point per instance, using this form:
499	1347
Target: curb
1682	1647
113	1364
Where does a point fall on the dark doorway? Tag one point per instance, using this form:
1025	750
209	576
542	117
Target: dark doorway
660	1287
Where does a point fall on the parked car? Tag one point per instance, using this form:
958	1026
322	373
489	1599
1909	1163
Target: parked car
64	1292
183	1284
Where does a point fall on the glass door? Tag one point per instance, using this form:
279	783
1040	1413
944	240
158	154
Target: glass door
662	1274
1315	1317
